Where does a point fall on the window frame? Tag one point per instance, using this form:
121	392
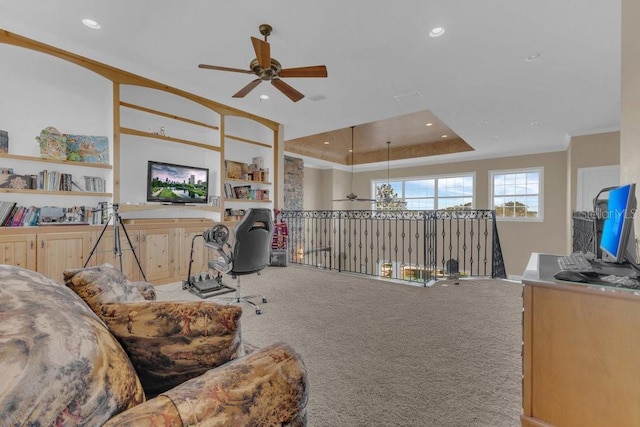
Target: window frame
472	175
540	171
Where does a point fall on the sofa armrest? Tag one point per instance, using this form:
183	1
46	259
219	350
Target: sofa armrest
267	387
170	342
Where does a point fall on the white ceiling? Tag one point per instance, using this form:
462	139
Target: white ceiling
474	78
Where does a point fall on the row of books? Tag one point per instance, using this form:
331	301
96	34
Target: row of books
14	215
245	192
49	181
233	214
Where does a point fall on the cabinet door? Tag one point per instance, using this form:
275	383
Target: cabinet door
19	250
200	252
59	251
156	254
107	252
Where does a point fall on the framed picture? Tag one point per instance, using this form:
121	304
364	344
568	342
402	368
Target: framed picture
236	170
242	191
87	148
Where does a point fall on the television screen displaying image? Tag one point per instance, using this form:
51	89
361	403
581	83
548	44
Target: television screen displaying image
618	223
170	183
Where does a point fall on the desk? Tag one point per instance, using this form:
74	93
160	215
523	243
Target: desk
581	351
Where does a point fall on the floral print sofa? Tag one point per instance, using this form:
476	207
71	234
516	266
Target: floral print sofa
92	352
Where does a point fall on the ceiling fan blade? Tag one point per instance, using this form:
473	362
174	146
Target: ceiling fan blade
263	52
248	88
313	71
215	67
289	91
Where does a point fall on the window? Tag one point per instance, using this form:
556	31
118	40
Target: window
433	193
516	195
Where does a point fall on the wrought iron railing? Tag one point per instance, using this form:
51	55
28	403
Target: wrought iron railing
416	246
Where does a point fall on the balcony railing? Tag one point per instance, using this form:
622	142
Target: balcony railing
416	246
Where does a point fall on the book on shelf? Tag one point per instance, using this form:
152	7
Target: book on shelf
7	221
228	191
5	210
94	184
233	214
4	141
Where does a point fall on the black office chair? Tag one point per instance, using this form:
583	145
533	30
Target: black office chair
250	252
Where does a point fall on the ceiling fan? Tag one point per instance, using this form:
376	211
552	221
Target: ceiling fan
352	197
268	69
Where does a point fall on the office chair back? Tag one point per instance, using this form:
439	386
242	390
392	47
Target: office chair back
251	250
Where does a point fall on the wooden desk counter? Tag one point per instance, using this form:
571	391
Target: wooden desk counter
581	351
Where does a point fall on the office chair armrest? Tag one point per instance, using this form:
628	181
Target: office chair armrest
223	263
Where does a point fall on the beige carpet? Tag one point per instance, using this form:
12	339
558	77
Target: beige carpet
389	354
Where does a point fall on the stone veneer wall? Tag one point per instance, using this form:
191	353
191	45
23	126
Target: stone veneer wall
293	183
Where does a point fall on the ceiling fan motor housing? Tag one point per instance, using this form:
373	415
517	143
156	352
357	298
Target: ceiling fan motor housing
265	73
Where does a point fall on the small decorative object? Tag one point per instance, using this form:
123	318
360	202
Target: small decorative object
4	142
236	170
90	149
16	182
53	145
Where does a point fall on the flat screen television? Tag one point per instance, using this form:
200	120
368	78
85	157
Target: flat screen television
618	224
171	183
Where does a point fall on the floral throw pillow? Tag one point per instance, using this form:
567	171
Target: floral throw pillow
101	284
170	342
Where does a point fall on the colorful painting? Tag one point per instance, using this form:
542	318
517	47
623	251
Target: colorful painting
53	145
87	148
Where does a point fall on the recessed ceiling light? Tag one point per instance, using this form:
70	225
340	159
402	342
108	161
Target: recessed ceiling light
535	123
533	57
482	123
326	143
429	124
91	23
444	136
436	32
264	97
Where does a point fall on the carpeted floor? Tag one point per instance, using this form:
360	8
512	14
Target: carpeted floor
381	353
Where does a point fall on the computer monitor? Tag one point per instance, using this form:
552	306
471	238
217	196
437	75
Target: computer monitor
615	242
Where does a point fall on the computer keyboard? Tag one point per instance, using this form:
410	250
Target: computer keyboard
576	262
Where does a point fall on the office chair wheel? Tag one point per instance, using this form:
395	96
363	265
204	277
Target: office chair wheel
265	300
258	311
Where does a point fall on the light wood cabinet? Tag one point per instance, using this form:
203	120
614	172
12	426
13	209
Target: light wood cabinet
157	254
19	250
57	252
580	351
